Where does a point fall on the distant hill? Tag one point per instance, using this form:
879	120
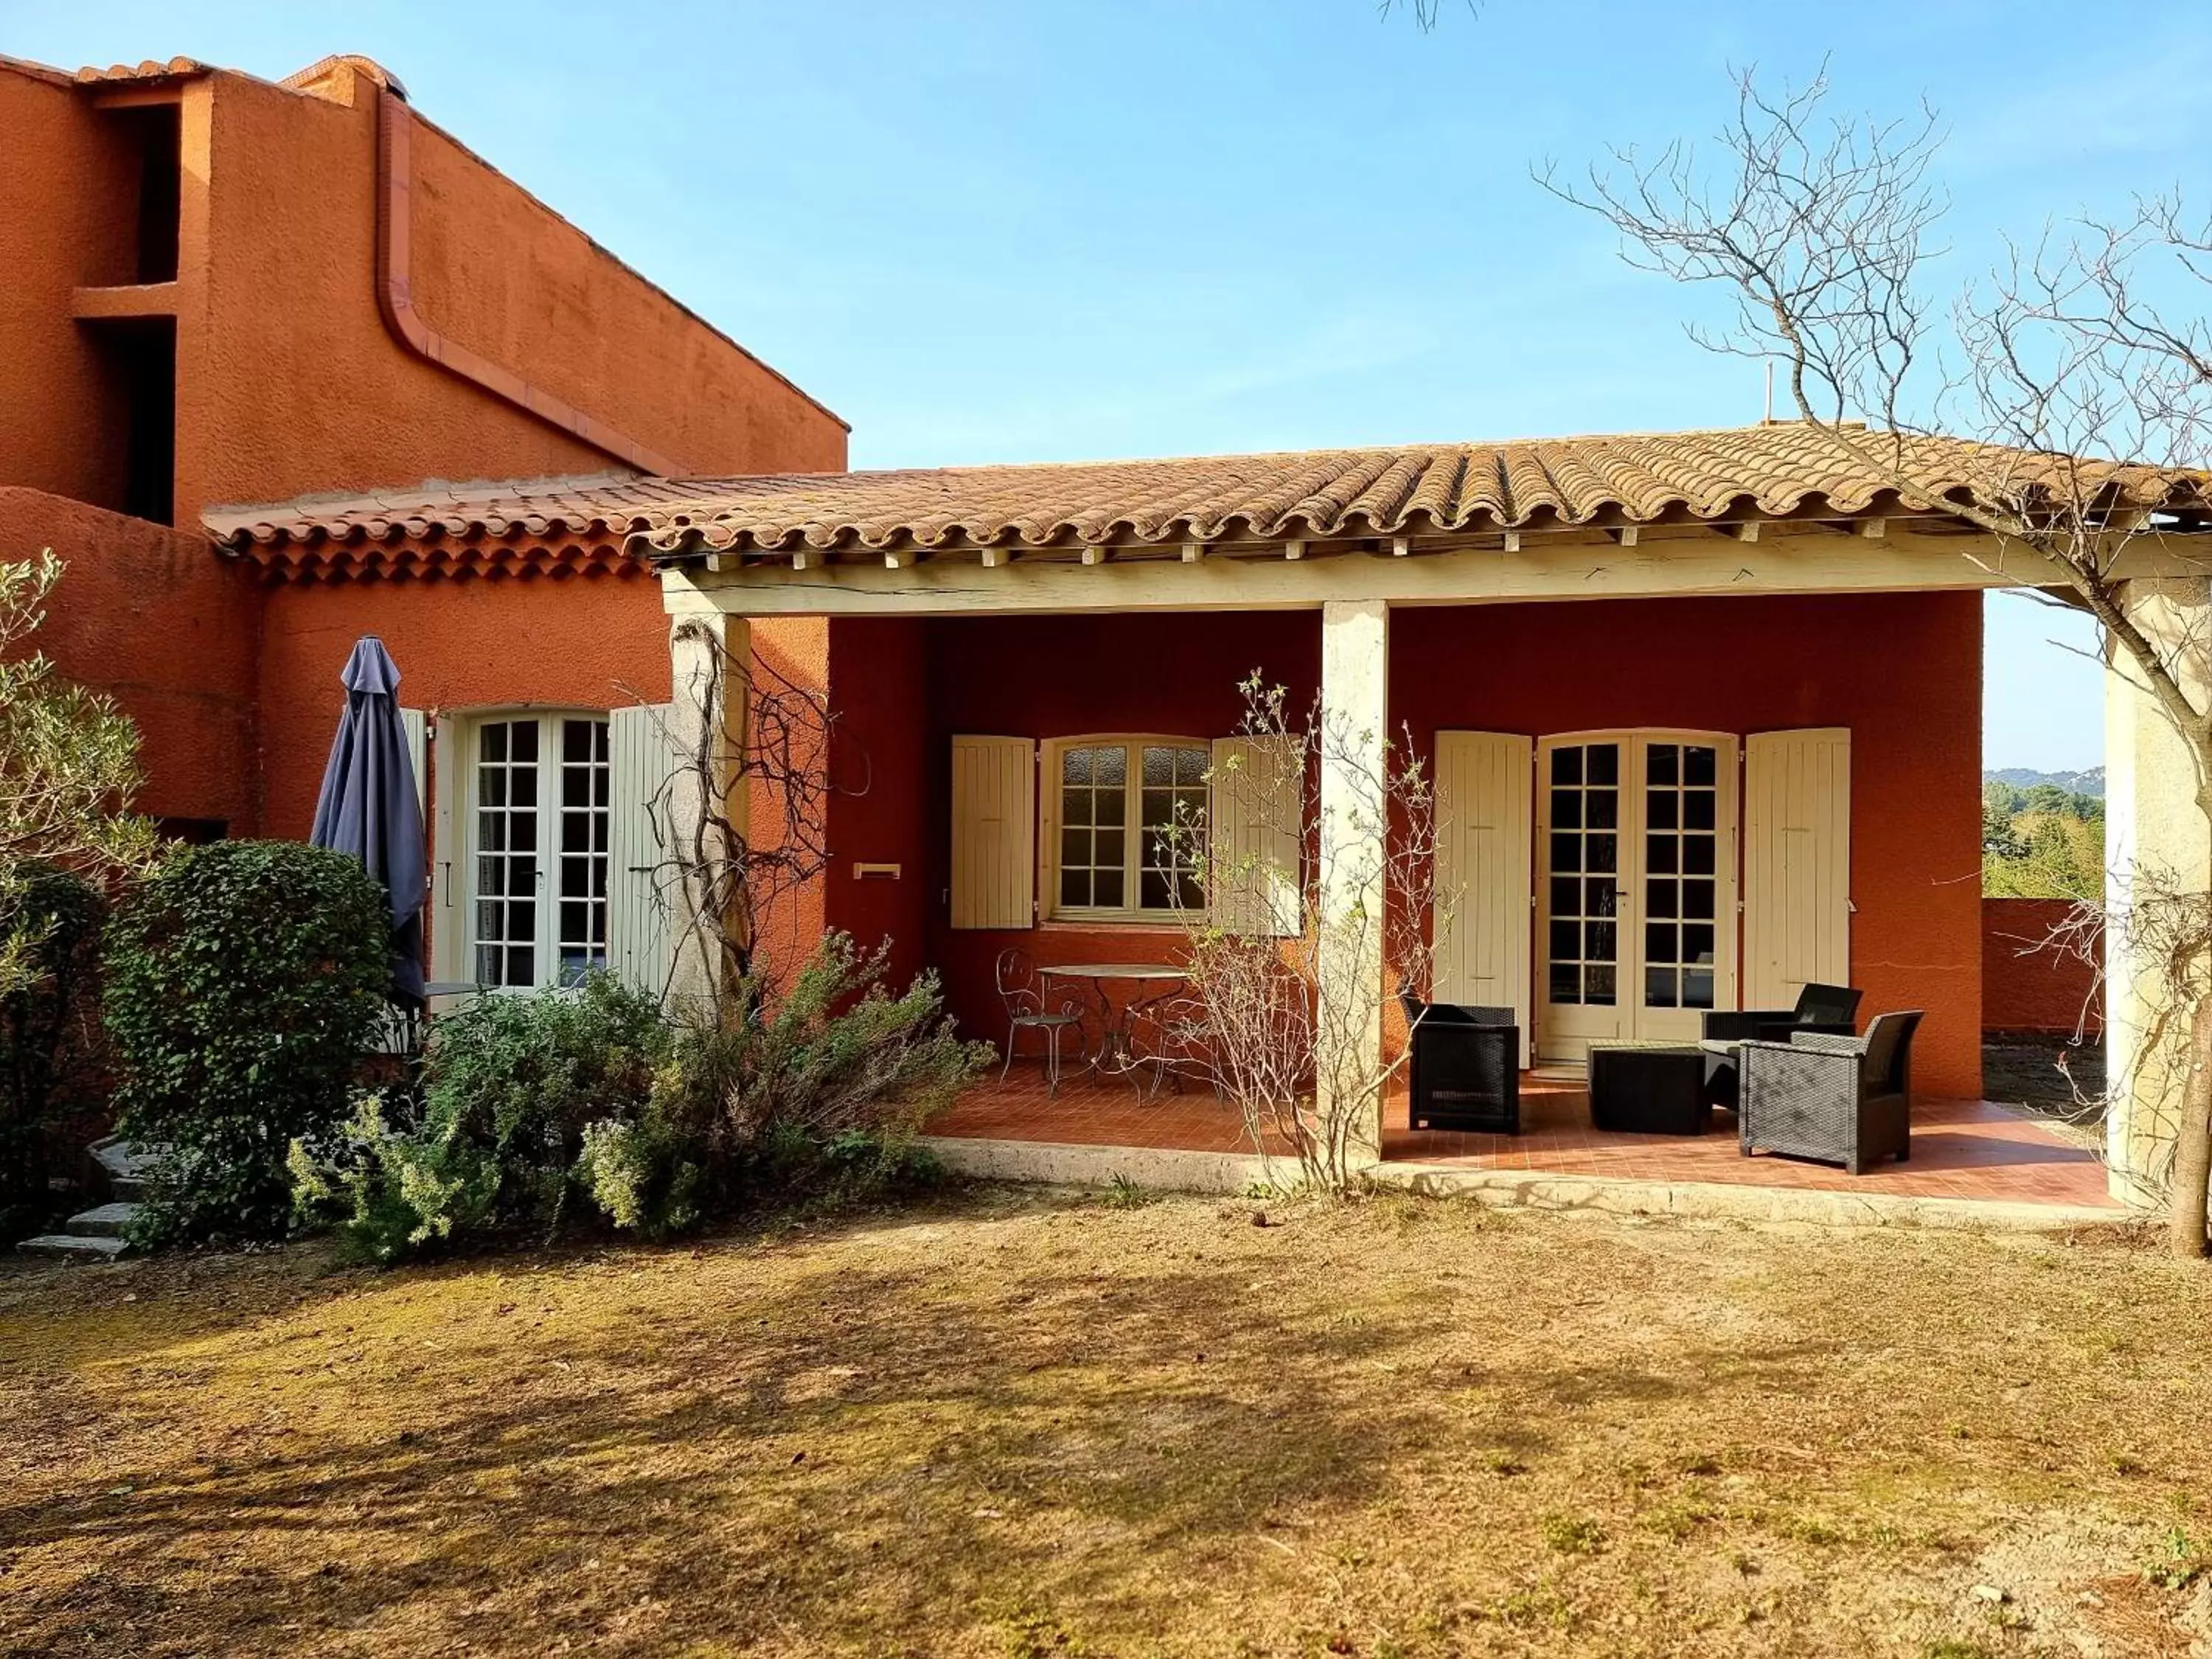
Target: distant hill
2091	782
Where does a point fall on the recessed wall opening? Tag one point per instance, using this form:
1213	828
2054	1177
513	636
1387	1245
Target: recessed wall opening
152	138
138	364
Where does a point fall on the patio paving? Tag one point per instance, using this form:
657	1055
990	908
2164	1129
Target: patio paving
1962	1149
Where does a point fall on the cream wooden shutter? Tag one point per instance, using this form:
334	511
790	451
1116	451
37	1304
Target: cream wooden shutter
994	832
1485	899
415	728
1797	863
449	881
1253	824
640	874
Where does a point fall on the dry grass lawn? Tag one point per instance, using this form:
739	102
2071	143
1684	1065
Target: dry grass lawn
1015	1424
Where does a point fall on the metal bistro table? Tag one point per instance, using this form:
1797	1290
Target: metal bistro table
1115	1056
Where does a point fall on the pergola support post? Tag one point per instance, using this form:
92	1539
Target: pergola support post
2153	833
710	657
1355	680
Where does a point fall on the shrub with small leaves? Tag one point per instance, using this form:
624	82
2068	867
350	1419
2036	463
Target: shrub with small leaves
245	982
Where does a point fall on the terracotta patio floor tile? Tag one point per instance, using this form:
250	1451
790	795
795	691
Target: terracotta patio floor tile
1967	1149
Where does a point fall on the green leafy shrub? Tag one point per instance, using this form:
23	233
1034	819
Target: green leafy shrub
541	1107
244	982
50	1047
513	1085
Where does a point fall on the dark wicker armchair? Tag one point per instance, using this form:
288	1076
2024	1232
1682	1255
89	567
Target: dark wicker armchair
1465	1067
1829	1008
1838	1099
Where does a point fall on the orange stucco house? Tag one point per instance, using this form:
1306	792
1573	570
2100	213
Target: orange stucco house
1704	707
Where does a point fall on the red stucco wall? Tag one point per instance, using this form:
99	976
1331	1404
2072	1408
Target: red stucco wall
880	778
2029	984
154	618
287	380
335	403
1726	665
62	186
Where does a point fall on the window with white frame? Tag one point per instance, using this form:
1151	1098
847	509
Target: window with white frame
1117	800
538	830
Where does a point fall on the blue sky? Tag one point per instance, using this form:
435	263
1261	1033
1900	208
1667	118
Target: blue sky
985	231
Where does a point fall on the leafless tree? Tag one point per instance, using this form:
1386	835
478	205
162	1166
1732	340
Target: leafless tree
1269	921
2091	342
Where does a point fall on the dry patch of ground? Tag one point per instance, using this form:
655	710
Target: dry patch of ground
1017	1425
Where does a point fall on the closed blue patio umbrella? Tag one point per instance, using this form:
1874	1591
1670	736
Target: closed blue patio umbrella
368	807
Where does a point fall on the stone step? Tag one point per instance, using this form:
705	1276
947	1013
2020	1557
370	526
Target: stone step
102	1221
71	1247
127	1164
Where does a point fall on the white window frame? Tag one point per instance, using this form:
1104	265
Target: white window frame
1049	752
545	944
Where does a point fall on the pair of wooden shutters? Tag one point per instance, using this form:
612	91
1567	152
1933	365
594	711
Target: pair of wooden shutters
641	887
1796	816
994	833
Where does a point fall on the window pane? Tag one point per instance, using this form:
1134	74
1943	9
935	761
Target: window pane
1698	766
1698	855
1603	809
1110	765
1152	892
1566	852
1567	765
1662	763
1598	984
1598	941
1659	855
1108	844
1108	807
1698	900
1566	895
576	740
1659	987
1697	942
1159	767
1566	940
1659	941
1566	982
1605	763
1074	847
1602	898
523	741
1660	897
1075	765
1697	808
1659	808
491	742
1697	988
1566	809
1106	888
1603	852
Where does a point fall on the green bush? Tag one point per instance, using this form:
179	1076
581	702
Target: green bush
50	923
513	1084
245	982
544	1107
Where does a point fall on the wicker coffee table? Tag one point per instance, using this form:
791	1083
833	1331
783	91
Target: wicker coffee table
1649	1088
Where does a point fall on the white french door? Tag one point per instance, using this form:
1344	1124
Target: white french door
538	835
1635	836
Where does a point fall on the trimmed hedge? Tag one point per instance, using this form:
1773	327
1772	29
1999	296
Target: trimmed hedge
246	981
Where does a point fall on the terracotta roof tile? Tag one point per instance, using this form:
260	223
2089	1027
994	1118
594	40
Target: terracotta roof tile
1730	474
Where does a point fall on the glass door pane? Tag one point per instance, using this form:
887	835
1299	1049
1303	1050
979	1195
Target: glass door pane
1582	950
506	812
1682	835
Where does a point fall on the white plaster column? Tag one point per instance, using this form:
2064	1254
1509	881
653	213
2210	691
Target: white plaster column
710	657
1355	681
2152	825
